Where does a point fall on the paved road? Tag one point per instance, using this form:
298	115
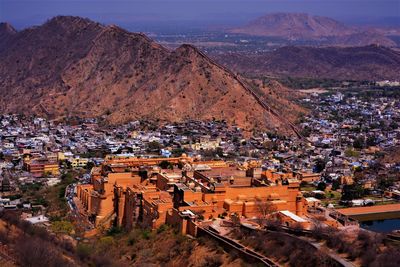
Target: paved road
77	211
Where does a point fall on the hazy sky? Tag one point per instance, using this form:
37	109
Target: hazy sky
23	13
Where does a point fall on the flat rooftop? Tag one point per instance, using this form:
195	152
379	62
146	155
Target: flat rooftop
224	172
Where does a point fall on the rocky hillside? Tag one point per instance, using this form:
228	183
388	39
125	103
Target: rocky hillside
6	34
352	63
74	66
300	26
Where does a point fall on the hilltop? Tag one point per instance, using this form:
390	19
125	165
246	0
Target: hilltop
301	26
71	66
6	33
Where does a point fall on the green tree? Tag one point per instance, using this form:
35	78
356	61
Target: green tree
84	251
351	153
64	227
165	165
335	184
90	165
319	165
352	191
306	131
359	143
154	146
394	125
177	152
371	141
106	242
385	182
321	186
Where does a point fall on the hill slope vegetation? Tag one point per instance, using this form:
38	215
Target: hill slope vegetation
72	66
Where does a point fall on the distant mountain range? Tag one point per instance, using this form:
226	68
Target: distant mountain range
343	63
72	66
300	26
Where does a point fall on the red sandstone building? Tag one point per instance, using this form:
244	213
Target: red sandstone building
137	192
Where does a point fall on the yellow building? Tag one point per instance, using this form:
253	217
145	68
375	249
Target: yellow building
51	168
61	156
78	162
42	167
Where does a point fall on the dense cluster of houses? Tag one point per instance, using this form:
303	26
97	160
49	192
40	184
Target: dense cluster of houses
344	134
34	150
352	132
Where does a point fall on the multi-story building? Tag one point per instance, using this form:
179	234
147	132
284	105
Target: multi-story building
147	196
98	197
42	167
78	162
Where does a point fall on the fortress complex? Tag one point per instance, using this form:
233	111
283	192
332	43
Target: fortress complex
136	191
